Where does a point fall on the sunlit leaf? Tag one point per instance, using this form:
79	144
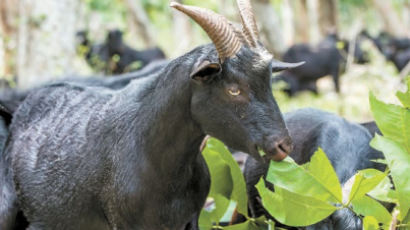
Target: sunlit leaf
366	206
384	191
293	209
370	223
321	168
318	180
365	181
399	163
393	121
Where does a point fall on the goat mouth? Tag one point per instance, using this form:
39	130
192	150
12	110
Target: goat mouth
278	155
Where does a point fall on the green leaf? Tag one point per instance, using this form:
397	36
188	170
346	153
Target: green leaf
227	182
316	179
366	206
370	223
384	191
221	180
239	186
365	181
392	120
404	97
399	163
406	220
221	205
205	222
293	209
242	226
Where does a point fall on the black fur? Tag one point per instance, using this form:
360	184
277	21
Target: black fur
10	99
93	158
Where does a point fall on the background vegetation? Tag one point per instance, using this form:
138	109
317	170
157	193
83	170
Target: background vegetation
37	40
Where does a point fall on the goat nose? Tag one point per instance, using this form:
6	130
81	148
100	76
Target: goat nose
278	150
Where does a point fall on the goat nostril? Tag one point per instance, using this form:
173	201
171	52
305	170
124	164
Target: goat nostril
285	146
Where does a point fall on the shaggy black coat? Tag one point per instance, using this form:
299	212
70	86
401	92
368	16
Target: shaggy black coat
10	99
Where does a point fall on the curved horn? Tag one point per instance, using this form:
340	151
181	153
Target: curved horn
250	28
216	26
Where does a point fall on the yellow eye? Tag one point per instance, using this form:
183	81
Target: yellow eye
234	92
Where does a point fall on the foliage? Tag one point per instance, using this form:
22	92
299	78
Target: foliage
227	186
394	123
306	194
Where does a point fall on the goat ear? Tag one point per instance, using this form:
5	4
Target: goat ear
205	71
279	66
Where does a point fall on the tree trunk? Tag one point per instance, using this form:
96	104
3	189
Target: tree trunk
182	30
270	27
406	17
8	33
46	40
314	32
301	21
328	16
141	21
391	20
288	23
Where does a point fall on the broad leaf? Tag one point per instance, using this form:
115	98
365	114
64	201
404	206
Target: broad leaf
393	121
366	206
239	186
316	179
221	205
321	168
221	180
370	223
227	182
365	181
399	163
293	209
205	222
384	191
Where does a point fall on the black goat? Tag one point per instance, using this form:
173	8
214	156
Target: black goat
396	50
325	59
346	145
114	56
127	55
87	158
96	55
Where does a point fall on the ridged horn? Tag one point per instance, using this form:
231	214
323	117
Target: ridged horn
250	28
216	26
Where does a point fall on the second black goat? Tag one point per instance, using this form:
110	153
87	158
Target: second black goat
346	145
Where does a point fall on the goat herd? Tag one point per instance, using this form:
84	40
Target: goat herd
123	152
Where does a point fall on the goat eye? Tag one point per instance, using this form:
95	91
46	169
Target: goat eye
234	92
